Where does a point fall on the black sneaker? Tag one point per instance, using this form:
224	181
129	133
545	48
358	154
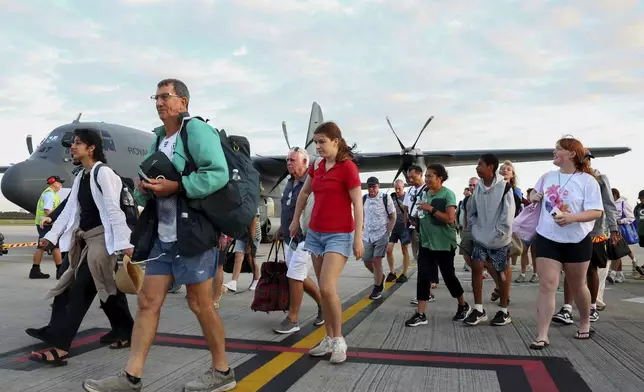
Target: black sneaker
376	293
501	318
462	312
594	315
563	317
402	279
416	320
475	317
391	277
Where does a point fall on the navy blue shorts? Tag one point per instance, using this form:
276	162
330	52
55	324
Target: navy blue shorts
186	270
43	232
400	233
497	257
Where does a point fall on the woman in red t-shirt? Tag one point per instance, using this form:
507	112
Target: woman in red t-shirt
333	235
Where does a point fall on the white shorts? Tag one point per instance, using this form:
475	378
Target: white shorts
297	263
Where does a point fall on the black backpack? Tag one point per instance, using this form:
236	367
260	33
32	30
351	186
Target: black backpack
129	206
232	208
384	200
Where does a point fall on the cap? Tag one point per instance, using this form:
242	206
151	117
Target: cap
373	181
588	154
53	179
641	195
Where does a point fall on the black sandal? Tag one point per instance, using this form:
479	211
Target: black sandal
119	344
42	358
584	335
539	344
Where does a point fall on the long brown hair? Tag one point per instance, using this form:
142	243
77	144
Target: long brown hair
332	132
581	162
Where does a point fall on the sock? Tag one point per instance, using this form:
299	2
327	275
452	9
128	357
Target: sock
593	306
504	310
133	380
568	307
479	307
227	372
35	266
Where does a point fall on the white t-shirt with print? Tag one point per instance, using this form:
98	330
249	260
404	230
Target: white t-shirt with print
409	200
572	193
167	206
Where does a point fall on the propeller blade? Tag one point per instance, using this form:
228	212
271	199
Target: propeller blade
285	134
279	181
422	130
273	158
30	145
395	178
402	146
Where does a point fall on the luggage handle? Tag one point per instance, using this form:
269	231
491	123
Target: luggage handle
279	243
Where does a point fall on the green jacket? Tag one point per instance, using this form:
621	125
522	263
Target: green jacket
205	148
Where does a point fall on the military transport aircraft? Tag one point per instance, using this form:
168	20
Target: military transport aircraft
125	147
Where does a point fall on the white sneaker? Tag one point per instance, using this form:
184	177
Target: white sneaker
339	350
619	278
232	285
323	348
253	286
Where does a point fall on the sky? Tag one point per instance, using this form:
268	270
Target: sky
520	74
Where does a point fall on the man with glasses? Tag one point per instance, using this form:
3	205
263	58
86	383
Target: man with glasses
166	262
297	259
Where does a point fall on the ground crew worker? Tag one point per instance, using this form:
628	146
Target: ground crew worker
48	202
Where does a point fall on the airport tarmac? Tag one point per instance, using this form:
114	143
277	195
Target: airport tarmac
383	354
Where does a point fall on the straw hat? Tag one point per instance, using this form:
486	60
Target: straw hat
129	277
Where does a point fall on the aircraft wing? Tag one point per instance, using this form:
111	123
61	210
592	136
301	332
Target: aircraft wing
392	161
4	169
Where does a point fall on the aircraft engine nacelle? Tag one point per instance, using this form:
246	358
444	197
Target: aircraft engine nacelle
270	229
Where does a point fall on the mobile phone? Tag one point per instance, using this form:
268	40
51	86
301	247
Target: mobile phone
555	212
293	244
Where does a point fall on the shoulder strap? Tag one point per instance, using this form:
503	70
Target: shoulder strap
98	166
384	200
364	198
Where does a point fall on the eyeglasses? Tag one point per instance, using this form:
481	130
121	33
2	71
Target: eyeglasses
163	96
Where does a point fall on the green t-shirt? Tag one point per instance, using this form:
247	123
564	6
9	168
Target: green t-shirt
435	234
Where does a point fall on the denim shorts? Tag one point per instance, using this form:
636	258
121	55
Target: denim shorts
240	246
319	244
186	270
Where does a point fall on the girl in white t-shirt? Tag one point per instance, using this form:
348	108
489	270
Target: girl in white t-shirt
571	202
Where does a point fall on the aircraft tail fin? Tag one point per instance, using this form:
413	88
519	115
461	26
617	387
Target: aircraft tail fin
315	120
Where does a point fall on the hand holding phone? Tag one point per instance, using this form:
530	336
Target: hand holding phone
555	212
293	244
143	176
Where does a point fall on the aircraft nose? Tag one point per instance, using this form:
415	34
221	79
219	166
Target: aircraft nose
23	182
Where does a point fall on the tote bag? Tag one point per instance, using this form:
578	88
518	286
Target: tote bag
525	224
628	230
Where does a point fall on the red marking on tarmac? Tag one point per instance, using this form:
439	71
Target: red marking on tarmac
535	371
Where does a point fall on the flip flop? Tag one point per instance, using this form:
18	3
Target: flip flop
42	358
584	335
539	344
119	344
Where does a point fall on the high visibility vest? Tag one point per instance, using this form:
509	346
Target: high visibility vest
40	209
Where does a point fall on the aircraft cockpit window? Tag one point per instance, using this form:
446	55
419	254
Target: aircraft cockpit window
108	145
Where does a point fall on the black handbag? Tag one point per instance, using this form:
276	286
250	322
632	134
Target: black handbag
158	165
229	260
617	251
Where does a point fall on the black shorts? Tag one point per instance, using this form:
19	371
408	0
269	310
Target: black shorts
642	242
599	259
400	233
564	252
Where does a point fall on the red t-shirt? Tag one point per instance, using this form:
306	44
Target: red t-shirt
332	208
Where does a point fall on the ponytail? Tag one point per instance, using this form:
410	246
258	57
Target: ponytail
344	151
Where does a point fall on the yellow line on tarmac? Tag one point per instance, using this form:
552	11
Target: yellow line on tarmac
260	377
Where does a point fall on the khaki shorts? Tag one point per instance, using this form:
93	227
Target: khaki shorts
465	248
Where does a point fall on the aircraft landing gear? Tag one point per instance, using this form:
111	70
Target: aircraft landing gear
3	250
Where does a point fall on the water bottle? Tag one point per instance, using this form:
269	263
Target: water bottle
236	176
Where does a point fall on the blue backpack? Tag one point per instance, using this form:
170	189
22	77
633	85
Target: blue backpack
232	208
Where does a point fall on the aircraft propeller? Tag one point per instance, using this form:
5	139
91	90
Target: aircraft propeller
285	174
409	154
30	145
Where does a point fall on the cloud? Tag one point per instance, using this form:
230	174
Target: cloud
241	51
517	75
